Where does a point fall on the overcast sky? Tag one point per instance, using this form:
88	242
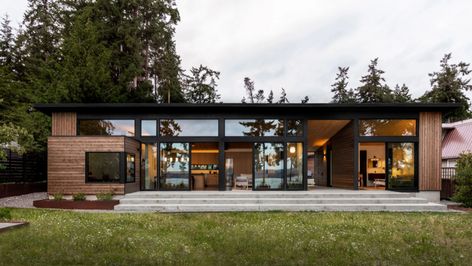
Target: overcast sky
298	45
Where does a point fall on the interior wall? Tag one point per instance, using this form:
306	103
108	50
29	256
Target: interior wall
377	150
342	145
242	162
319	168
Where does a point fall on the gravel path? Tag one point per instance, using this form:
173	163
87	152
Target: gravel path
23	201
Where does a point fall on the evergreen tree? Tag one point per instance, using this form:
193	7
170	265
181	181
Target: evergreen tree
373	88
401	94
6	43
249	87
448	85
201	85
259	96
270	97
305	100
339	87
283	97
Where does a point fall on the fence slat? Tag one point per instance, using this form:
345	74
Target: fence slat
448	182
27	168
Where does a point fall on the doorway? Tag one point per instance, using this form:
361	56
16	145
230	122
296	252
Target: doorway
204	170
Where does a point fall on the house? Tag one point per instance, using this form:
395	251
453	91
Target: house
457	138
127	147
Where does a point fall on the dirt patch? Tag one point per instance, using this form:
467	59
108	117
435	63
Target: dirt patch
79	205
459	208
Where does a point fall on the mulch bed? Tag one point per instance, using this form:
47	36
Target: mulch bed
79	205
459	208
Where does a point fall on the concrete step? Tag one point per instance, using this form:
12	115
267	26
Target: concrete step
278	207
308	200
268	194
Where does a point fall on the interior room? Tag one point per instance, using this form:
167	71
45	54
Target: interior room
238	165
204	166
372	165
329	162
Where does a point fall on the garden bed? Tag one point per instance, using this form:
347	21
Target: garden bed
79	205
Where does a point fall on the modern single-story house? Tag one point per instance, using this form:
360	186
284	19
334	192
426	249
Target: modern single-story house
132	147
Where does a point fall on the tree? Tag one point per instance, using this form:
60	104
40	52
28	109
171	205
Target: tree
259	96
249	86
305	100
401	94
449	85
339	87
270	97
14	138
200	85
283	97
6	42
373	88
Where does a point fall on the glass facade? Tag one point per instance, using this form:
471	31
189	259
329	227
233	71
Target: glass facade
148	166
295	165
387	127
254	127
268	166
94	127
174	166
401	171
188	127
130	168
103	167
294	127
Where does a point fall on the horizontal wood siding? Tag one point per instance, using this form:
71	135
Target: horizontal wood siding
133	146
66	163
343	157
64	124
429	165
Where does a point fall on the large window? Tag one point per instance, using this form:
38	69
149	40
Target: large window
130	168
254	127
294	127
188	127
148	128
103	166
401	166
268	166
175	170
387	127
295	165
148	166
106	127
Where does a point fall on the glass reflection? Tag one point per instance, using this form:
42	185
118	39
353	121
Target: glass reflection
401	166
294	127
188	127
174	161
149	166
268	166
295	165
387	127
148	127
106	127
254	127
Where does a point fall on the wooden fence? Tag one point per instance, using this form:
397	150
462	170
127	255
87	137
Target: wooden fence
448	182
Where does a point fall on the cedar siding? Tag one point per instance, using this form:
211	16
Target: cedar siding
429	165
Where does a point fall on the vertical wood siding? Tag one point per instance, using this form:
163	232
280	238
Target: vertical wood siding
429	165
343	157
66	163
64	124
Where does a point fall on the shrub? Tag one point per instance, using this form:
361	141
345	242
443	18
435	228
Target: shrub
57	196
463	192
79	197
5	214
105	196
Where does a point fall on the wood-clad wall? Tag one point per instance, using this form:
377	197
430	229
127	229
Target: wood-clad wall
343	157
64	124
66	163
429	165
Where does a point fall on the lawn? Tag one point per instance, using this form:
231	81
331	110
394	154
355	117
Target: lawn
271	238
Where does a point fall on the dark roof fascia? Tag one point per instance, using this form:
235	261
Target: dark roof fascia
236	107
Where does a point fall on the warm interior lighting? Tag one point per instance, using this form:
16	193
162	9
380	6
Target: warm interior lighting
205	151
293	149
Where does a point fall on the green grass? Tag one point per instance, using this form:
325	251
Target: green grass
272	238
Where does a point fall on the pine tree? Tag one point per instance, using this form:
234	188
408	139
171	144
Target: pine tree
270	97
339	87
6	43
259	96
401	94
449	85
373	88
305	100
249	87
200	85
283	97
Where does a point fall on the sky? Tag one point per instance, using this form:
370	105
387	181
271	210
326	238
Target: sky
299	44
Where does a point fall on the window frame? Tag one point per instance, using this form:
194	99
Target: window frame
126	168
107	118
121	167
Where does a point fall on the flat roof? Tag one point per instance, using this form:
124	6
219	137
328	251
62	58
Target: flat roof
248	108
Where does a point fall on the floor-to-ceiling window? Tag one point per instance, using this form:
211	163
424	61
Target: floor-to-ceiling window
295	165
268	166
148	166
401	166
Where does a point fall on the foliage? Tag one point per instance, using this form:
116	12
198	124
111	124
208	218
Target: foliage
449	85
373	88
463	177
339	87
302	238
401	94
200	85
79	197
258	97
14	138
5	214
105	196
58	196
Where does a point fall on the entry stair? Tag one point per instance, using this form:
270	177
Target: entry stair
240	201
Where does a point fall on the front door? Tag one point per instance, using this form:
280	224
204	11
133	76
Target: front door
401	170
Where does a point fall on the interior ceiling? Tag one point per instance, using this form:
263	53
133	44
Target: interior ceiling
320	131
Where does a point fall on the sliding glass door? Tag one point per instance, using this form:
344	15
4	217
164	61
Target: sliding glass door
401	171
268	166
